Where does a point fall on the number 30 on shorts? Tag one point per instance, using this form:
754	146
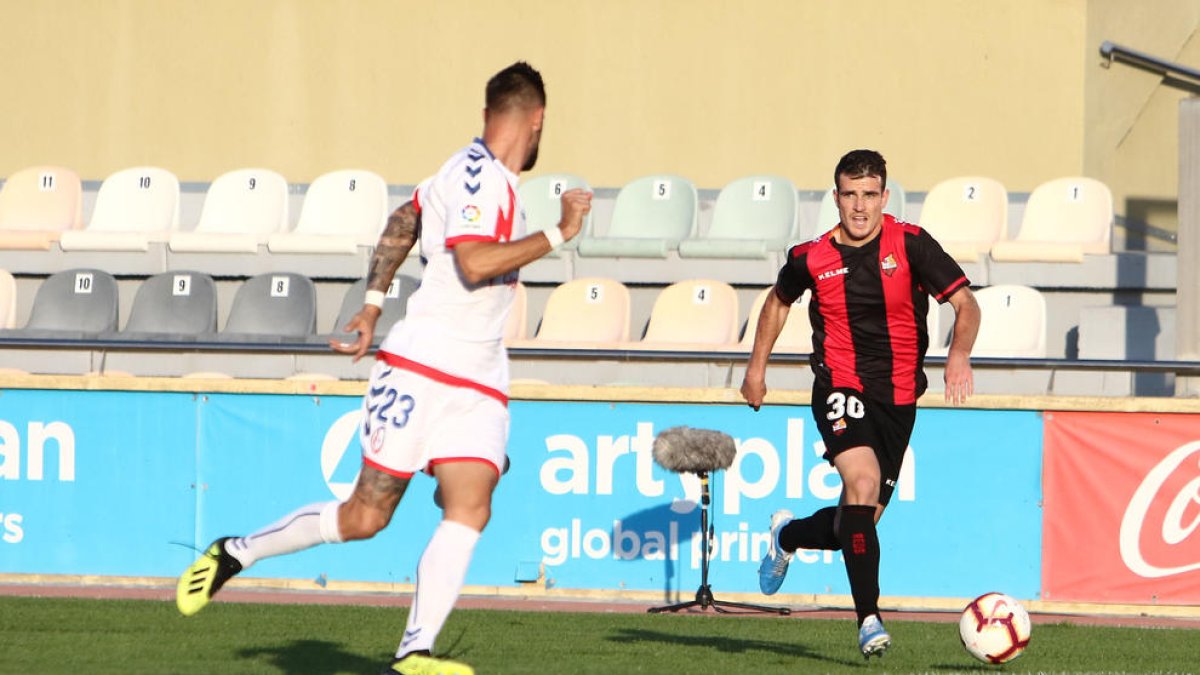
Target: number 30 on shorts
388	405
841	405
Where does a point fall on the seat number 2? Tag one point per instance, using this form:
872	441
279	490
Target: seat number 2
841	405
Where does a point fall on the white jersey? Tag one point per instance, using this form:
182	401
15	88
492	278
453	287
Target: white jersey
451	327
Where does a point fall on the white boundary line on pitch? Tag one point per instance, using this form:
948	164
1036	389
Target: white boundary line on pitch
537	592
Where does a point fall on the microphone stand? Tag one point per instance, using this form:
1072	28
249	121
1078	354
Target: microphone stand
704	595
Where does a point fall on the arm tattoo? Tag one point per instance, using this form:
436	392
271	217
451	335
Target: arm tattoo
378	489
398	238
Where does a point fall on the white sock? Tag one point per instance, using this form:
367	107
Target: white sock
440	576
303	528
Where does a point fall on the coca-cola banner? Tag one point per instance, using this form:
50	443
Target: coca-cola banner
1122	508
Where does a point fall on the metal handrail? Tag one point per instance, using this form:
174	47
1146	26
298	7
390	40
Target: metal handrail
1116	52
314	346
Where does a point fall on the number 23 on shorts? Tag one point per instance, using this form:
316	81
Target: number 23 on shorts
388	406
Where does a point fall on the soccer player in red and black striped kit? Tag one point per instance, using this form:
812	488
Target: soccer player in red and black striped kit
871	278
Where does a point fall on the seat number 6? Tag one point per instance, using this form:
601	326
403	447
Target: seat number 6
841	405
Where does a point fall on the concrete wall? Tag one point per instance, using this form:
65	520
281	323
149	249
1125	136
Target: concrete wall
1132	118
709	89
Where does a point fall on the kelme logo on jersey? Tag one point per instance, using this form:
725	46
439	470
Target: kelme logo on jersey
888	264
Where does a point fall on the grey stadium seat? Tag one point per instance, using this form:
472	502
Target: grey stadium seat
272	307
395	306
75	303
172	306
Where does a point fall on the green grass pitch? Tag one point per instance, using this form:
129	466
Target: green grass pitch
138	636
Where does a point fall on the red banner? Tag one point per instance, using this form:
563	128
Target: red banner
1122	508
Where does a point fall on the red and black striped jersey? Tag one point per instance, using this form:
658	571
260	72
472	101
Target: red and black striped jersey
869	306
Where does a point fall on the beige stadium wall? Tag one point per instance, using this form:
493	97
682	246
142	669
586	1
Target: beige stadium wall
709	89
1132	140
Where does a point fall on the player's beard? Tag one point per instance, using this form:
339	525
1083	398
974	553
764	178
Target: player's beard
531	160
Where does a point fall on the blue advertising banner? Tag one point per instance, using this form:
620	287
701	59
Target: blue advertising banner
132	483
965	515
97	482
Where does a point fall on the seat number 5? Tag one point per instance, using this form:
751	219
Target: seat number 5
841	405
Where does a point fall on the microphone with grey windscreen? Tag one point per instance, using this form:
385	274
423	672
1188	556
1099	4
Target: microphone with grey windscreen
686	450
683	449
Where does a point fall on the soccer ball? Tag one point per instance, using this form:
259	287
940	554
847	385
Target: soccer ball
994	628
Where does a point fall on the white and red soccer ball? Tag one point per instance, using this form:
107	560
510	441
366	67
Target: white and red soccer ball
994	628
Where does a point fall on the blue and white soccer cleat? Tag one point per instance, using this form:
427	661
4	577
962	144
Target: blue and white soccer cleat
873	638
774	565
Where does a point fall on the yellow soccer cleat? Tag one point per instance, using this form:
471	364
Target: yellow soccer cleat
423	664
203	578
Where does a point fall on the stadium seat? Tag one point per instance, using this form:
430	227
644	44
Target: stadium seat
827	214
1013	323
133	207
514	326
395	306
8	300
966	215
37	205
173	305
342	210
74	303
1065	219
588	313
241	210
754	217
272	307
796	336
697	314
542	199
939	335
650	217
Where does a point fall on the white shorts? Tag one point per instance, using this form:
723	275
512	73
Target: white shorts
411	422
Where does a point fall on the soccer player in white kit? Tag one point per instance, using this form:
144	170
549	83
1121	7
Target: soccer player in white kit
437	397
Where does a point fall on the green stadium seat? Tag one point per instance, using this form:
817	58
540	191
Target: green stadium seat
542	199
754	217
650	217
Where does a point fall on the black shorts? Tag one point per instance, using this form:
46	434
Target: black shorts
848	420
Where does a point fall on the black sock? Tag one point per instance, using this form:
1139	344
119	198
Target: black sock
813	532
860	548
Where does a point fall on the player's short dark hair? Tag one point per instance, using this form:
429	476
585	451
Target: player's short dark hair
519	85
860	164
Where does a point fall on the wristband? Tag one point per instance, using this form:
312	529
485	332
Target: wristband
374	298
554	236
